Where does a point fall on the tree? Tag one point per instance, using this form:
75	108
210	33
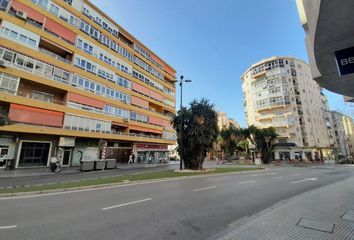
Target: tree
197	130
230	138
263	139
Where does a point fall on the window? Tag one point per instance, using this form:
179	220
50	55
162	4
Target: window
42	96
54	9
4	4
9	83
4	150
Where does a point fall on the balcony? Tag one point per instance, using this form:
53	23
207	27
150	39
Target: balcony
53	50
53	55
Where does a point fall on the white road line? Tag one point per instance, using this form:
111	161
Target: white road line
277	177
255	175
305	180
8	227
251	181
272	173
126	204
298	174
201	189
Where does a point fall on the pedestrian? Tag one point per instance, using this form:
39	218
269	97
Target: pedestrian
133	158
130	159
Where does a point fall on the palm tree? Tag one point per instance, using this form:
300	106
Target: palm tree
263	139
197	130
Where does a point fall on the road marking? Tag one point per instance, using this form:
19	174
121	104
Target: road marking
251	181
298	174
305	180
256	175
126	204
277	177
8	227
272	173
201	189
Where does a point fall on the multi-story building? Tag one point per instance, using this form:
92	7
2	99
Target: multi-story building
77	86
343	127
224	122
329	42
279	92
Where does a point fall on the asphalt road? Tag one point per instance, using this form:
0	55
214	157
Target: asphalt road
195	208
65	177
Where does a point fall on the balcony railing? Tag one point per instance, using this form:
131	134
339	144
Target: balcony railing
42	50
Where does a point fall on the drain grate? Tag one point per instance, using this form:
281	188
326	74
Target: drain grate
316	225
349	215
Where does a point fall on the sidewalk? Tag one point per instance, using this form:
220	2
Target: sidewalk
325	213
45	171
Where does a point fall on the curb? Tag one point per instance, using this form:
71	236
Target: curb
118	184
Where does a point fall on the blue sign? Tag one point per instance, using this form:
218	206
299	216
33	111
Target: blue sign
345	61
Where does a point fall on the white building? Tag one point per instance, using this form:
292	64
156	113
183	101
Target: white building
279	92
343	127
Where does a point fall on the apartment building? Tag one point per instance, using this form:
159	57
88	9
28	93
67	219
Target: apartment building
343	127
224	122
78	86
279	92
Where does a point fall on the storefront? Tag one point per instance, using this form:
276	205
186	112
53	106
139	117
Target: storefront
151	153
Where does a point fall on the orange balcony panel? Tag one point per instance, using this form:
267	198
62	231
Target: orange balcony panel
140	102
142	129
31	13
167	123
60	30
156	96
77	98
140	89
156	120
24	114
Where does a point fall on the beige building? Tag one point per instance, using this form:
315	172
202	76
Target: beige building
279	92
224	122
343	127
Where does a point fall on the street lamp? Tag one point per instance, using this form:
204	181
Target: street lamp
181	81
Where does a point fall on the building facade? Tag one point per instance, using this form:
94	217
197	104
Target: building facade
279	92
77	86
330	42
343	127
224	122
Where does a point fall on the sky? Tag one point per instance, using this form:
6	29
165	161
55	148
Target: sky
213	42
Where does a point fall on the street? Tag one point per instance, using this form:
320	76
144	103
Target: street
194	208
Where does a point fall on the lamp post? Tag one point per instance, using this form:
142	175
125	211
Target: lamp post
181	81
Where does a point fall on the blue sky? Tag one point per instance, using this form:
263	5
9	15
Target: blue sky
212	42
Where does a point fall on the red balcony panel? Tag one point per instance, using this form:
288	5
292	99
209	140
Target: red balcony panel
167	123
140	89
140	102
37	116
60	30
142	129
31	13
155	120
77	98
156	96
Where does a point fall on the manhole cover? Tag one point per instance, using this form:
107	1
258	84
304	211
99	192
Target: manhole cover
316	225
349	215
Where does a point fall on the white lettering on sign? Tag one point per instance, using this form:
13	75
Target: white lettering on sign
346	61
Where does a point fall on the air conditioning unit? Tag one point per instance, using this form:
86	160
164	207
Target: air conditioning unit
21	15
126	119
2	63
124	101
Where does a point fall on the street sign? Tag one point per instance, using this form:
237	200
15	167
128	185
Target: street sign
345	61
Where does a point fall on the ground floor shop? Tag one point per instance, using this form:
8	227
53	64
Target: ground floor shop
288	152
31	150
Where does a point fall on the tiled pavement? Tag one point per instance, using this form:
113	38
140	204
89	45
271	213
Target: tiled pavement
325	213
